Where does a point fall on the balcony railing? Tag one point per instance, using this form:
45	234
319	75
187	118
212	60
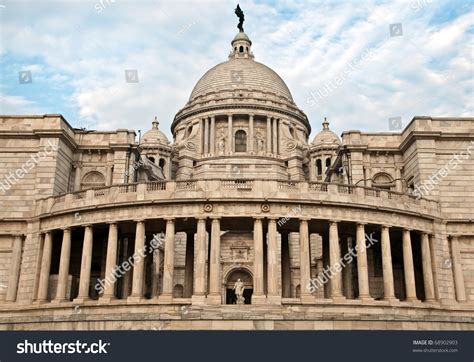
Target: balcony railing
298	191
237	184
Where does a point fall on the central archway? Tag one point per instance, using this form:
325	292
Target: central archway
246	278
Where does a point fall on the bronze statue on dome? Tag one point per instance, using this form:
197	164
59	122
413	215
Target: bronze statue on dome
240	15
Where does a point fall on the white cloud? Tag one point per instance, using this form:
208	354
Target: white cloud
427	71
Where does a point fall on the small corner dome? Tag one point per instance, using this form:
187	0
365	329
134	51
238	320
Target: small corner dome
326	136
241	36
154	136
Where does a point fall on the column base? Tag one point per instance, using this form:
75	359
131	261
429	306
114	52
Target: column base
338	298
259	299
412	300
365	298
391	300
307	299
165	299
274	299
41	301
135	299
80	300
59	301
198	299
213	299
107	299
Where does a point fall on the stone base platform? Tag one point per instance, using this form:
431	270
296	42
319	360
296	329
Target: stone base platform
149	315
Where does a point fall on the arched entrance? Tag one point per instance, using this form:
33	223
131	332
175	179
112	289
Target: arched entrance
246	278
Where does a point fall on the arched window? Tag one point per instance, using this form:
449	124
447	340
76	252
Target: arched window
319	167
382	180
241	49
162	163
92	179
328	162
240	141
152	159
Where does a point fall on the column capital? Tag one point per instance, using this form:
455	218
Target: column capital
229	116
453	237
257	218
212	117
251	115
272	219
407	229
111	223
385	226
361	223
169	220
201	218
216	219
303	220
66	229
334	221
87	225
139	220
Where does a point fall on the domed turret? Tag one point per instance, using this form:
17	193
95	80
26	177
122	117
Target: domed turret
154	136
323	152
326	136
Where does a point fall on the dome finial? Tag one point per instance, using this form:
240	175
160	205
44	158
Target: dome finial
325	123
155	123
240	15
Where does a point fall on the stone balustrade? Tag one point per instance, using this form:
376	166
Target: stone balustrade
291	191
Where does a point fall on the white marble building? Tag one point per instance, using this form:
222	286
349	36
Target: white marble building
239	193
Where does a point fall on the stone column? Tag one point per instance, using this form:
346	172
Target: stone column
139	263
275	136
155	278
206	136
203	137
408	267
269	135
387	269
334	258
85	276
14	275
110	264
427	270
230	136
78	175
305	265
199	295
212	136
362	269
45	268
398	179
457	270
274	292
168	268
367	177
61	290
251	139
214	296
258	296
189	265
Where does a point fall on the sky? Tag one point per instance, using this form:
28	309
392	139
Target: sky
361	64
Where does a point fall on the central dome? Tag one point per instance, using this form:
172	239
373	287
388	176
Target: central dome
241	73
